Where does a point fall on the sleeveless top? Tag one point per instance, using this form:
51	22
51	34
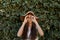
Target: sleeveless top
28	34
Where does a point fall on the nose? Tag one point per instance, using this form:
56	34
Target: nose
29	16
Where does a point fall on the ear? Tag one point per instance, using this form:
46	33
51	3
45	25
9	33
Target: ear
22	18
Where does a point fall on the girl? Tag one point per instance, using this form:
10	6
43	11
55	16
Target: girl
30	27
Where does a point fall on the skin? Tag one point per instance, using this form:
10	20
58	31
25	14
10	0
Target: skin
30	19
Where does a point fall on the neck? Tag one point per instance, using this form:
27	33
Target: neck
30	25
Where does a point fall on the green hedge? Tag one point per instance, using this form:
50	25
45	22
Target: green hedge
47	10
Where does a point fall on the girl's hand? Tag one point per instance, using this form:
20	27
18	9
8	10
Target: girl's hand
34	19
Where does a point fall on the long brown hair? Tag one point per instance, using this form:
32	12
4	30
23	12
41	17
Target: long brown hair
33	33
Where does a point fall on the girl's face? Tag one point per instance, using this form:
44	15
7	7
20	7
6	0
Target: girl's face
29	18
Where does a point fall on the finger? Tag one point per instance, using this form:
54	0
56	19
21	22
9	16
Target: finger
32	17
26	17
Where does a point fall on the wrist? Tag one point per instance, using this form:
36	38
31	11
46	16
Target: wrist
35	22
24	22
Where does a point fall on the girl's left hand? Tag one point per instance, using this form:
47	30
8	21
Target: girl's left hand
33	19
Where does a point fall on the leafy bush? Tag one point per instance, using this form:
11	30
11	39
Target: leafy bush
47	10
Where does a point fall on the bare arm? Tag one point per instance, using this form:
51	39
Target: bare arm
21	30
39	29
38	26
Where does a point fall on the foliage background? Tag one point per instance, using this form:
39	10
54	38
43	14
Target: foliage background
47	10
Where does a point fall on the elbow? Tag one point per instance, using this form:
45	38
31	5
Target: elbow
42	34
18	34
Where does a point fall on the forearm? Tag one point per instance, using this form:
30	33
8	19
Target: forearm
21	30
39	29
